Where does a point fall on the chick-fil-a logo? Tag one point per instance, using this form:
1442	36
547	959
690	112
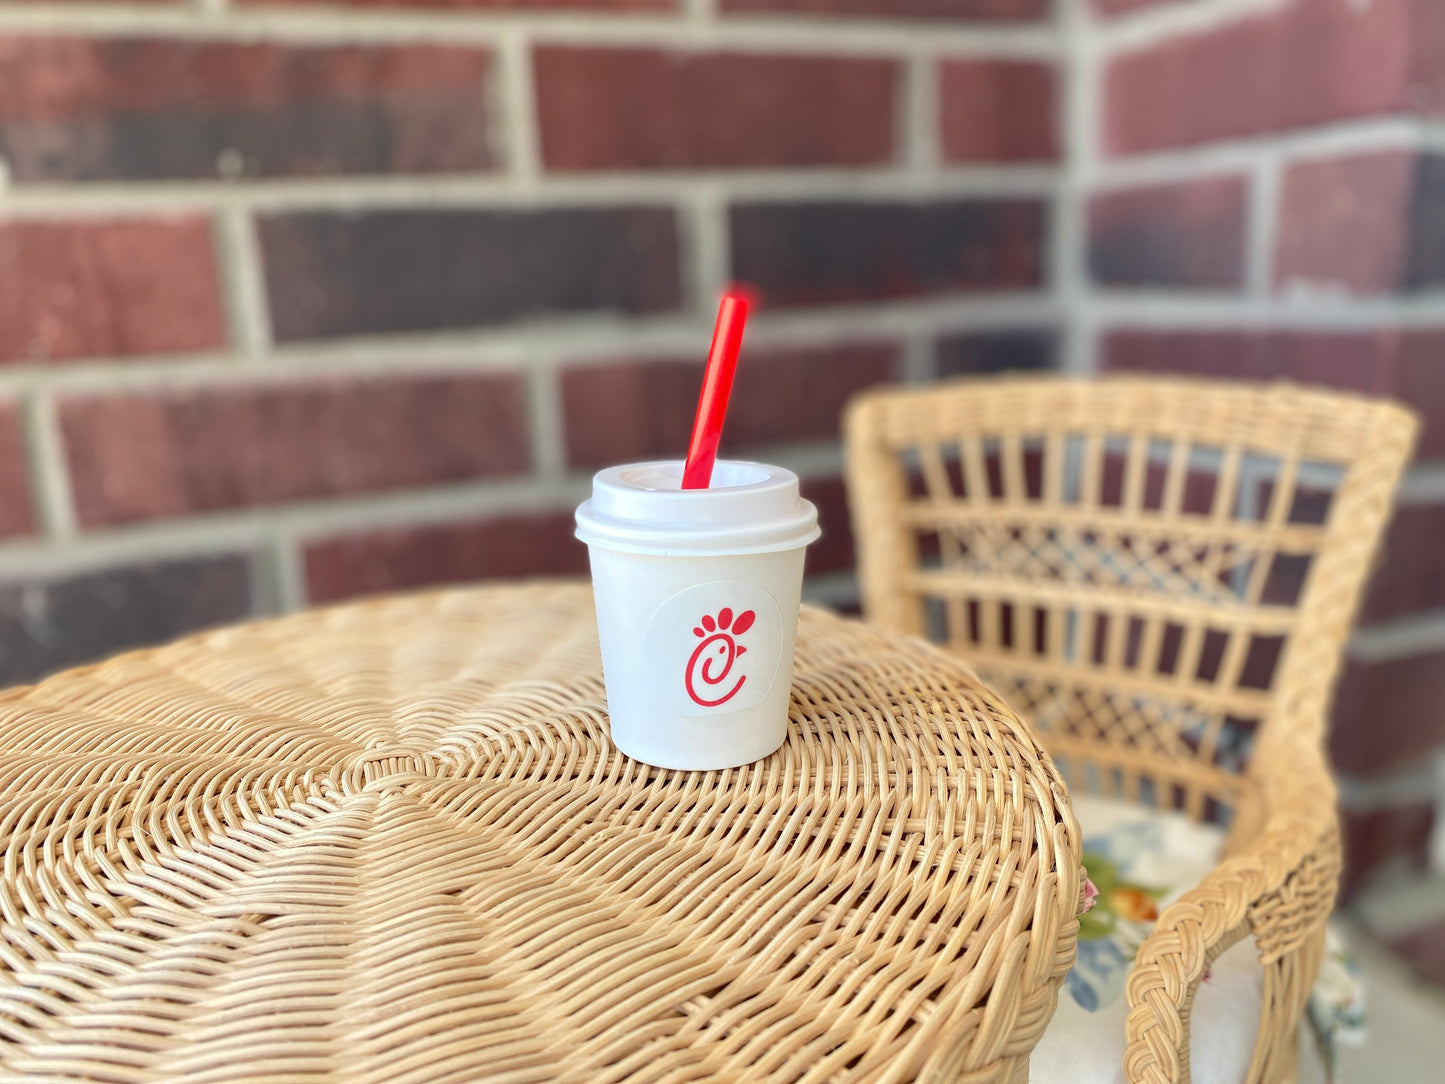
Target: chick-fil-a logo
711	663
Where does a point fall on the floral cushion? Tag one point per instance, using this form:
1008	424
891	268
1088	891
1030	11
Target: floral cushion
1140	861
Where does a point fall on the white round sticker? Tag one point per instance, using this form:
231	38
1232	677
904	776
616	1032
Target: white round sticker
714	649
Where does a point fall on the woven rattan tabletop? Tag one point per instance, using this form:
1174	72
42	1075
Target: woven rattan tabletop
391	842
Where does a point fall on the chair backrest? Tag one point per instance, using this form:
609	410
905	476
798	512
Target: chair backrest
1160	574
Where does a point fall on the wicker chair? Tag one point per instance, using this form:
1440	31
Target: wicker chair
1161	575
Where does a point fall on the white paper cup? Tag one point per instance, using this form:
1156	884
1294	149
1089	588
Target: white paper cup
697	596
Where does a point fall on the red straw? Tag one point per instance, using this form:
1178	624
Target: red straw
717	385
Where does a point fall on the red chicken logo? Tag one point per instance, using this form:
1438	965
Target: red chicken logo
712	660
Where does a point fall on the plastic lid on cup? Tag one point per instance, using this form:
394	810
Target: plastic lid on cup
748	508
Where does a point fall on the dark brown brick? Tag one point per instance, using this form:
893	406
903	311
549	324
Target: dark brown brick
1189	234
980	10
76	108
1344	224
998	111
1375	836
107	287
16	513
833	552
149	455
503	547
637	410
834	252
602	109
978	352
332	274
1409	574
1427	222
1307	63
46	625
1388	713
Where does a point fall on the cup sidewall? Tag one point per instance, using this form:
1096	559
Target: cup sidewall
629	590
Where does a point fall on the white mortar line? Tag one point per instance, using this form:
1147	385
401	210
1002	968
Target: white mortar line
286	568
49	474
706	245
583	338
1424	483
831	589
1155	25
575	339
919	111
549	191
1079	136
1400	638
544	419
920	360
699	11
1261	225
243	283
765	33
1207	310
1343	138
1411	786
250	529
517	109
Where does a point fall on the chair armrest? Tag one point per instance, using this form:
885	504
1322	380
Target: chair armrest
1280	886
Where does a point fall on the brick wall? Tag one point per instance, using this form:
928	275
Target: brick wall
300	301
1261	193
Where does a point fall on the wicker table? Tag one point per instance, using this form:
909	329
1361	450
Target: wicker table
391	842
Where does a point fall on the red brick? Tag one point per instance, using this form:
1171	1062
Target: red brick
980	10
833	552
637	410
837	251
334	274
148	455
107	288
392	560
1358	361
1311	62
127	108
602	109
1375	836
1408	366
16	515
998	111
1388	713
1410	574
89	616
1424	950
1119	7
1344	224
1189	234
1420	382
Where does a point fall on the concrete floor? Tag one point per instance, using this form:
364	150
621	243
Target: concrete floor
1405	1043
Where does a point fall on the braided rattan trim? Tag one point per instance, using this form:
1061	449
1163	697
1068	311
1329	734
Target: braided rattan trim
391	843
1075	512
